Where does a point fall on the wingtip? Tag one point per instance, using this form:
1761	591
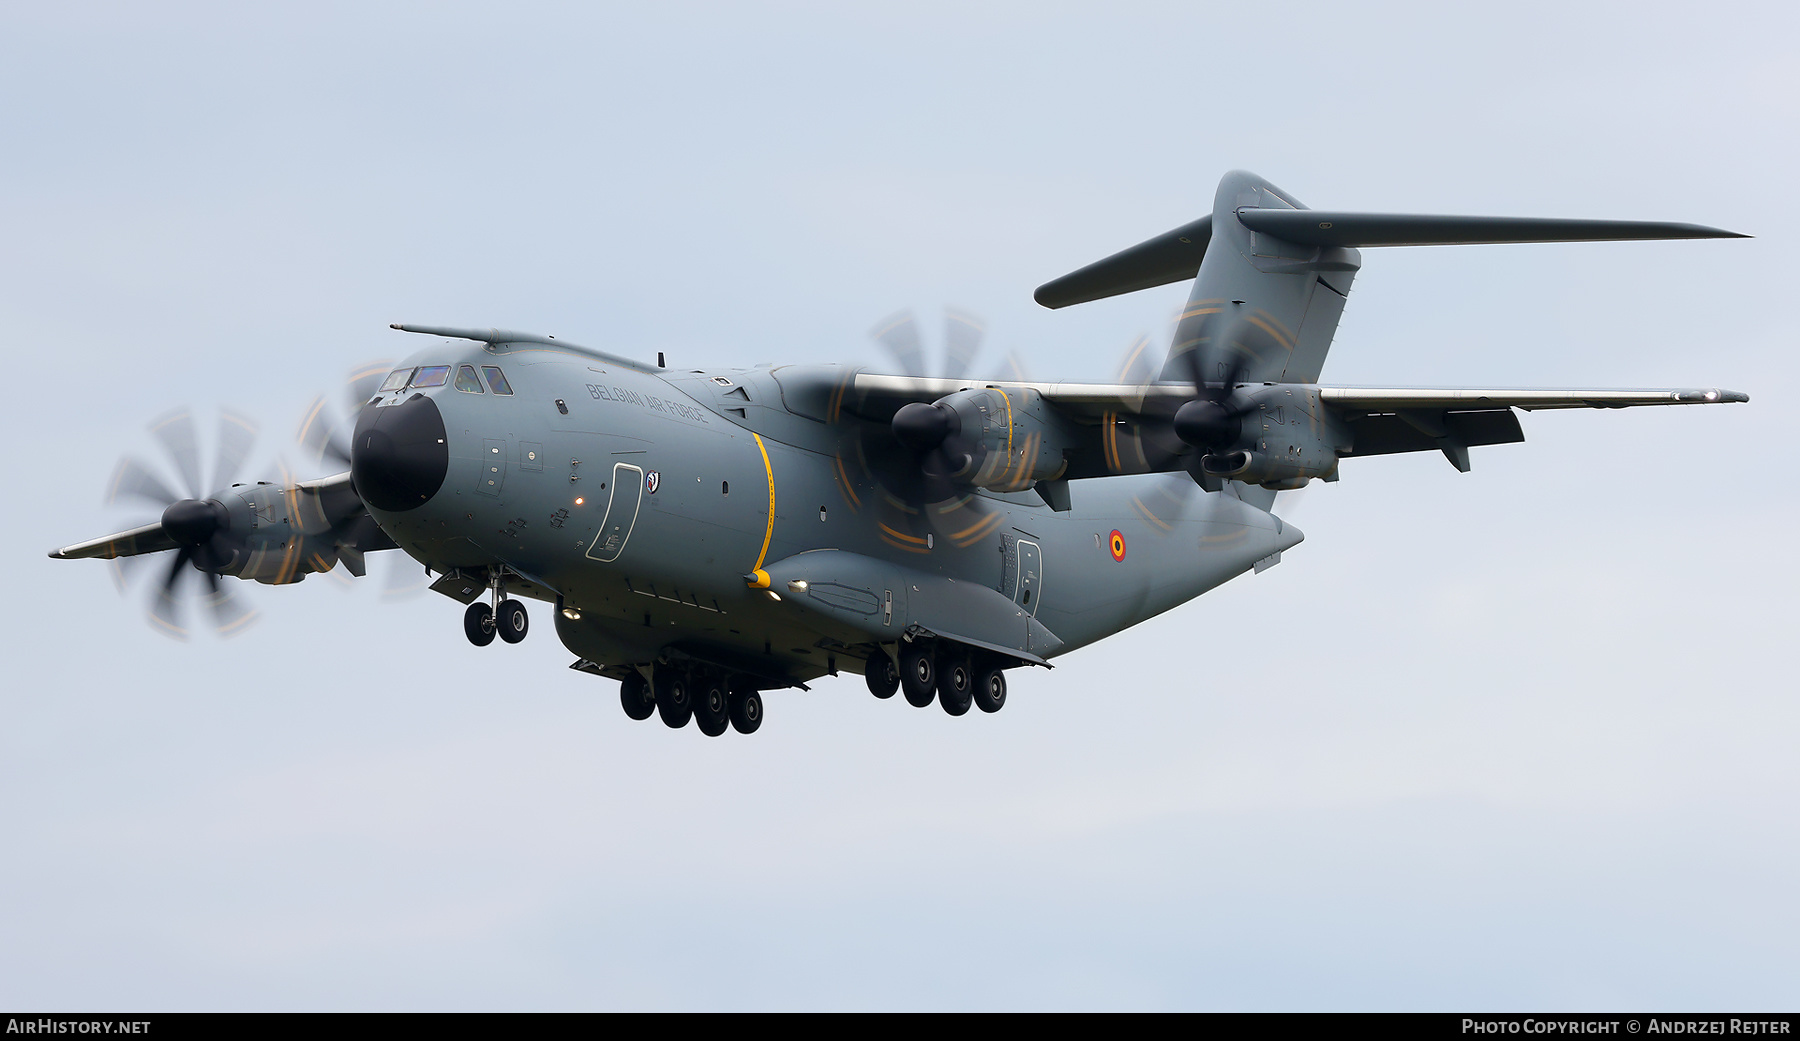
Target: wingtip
1711	397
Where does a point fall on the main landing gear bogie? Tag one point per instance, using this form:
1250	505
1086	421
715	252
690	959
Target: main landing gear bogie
714	701
957	679
955	676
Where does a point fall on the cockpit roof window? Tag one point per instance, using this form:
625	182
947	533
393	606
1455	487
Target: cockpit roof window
467	381
497	380
396	379
431	376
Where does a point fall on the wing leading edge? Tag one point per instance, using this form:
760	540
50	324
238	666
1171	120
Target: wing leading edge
1091	400
1530	399
1113	428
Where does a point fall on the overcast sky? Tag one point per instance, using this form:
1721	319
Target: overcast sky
1521	738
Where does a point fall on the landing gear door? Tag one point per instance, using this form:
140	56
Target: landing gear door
1030	588
627	493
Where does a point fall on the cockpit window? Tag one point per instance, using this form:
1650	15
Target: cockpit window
431	376
497	380
467	381
396	379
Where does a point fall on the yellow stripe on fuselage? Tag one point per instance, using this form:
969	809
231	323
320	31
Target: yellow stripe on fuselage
769	531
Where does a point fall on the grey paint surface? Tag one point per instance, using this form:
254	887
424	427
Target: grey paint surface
676	578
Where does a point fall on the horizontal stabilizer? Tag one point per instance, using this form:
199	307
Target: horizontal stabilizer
1171	257
1334	228
1175	256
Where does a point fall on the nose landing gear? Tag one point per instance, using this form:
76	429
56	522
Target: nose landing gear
506	619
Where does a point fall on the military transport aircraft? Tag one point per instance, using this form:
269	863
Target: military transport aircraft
709	535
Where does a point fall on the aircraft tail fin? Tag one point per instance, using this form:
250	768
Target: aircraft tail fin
1262	307
1271	276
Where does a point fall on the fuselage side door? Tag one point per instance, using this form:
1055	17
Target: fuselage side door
1030	589
626	495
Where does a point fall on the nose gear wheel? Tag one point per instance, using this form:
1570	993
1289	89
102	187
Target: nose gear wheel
478	624
512	621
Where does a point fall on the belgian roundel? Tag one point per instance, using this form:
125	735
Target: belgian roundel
1118	545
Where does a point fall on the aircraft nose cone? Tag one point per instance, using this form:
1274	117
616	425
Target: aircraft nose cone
398	455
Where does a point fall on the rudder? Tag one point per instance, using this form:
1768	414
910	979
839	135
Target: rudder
1263	304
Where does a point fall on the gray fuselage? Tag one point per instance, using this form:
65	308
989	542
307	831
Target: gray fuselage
648	500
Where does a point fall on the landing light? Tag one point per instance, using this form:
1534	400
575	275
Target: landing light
798	585
573	614
579	500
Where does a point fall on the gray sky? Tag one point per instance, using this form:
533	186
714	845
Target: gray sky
1516	739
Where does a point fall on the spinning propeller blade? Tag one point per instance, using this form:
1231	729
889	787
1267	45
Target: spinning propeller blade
324	432
912	470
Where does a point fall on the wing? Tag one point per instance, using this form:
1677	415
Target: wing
1093	399
1462	399
1116	428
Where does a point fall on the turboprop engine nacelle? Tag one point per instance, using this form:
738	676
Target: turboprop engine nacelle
275	534
1008	440
1287	437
